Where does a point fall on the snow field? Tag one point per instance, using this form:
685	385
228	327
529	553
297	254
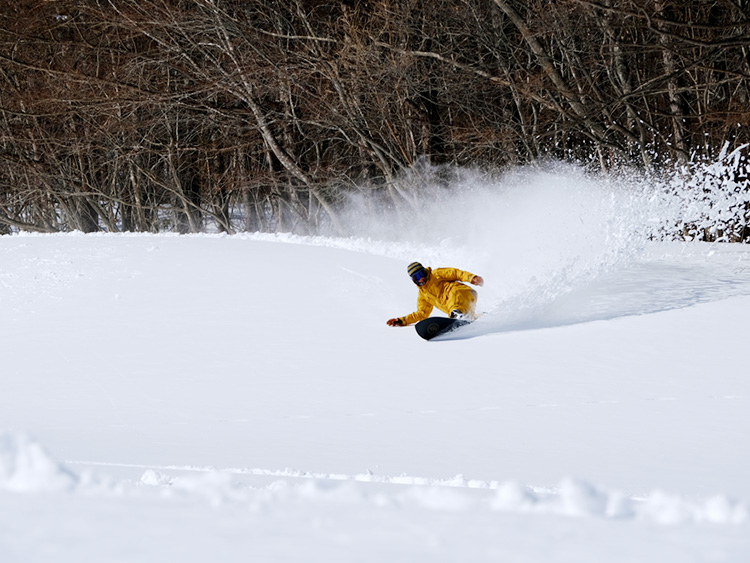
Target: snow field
92	515
240	398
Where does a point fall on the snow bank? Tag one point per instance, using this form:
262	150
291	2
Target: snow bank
26	467
573	498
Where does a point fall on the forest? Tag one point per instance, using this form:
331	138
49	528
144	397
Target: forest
263	115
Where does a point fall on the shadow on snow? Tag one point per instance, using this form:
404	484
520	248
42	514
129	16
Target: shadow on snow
640	289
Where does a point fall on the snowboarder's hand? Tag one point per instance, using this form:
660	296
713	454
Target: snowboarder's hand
477	280
395	322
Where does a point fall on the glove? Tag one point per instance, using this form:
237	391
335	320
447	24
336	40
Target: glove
395	322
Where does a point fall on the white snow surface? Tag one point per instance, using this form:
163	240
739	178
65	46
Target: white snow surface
240	398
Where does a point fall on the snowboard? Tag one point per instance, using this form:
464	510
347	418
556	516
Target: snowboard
435	326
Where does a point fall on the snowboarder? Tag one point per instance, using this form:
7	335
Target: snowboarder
441	288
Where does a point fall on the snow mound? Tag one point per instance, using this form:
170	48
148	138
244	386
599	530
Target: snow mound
663	508
26	467
576	498
572	498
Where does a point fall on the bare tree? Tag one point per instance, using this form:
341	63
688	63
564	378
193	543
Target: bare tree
263	115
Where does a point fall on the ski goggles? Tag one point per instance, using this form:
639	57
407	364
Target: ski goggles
419	277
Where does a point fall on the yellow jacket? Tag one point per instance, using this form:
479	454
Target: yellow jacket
444	290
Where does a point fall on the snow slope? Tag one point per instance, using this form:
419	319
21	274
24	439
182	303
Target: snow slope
241	398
